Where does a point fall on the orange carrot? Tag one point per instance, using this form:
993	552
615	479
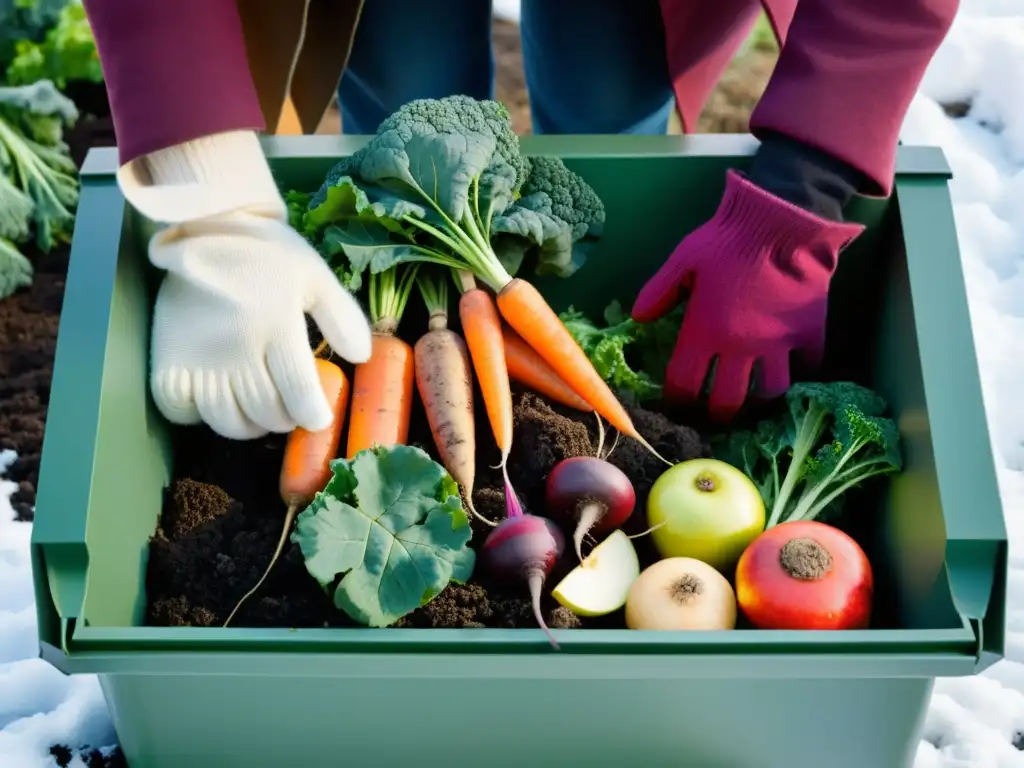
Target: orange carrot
382	396
481	325
529	314
527	367
444	379
306	467
382	390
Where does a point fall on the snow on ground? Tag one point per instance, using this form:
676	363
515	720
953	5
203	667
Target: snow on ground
972	722
39	706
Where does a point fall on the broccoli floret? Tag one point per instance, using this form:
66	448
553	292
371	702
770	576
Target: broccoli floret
831	438
572	199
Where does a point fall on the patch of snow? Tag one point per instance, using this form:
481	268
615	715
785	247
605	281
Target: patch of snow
39	706
974	722
507	10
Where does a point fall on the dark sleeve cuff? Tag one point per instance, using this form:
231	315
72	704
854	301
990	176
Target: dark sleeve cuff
804	176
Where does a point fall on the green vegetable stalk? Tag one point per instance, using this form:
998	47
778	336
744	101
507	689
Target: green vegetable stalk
831	438
38	180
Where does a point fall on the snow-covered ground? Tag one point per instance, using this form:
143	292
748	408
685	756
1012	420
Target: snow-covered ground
972	722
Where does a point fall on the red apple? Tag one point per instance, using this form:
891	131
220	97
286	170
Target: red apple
805	575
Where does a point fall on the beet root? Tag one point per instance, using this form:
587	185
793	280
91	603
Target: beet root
592	492
524	548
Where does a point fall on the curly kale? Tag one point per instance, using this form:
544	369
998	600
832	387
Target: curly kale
831	438
442	181
38	180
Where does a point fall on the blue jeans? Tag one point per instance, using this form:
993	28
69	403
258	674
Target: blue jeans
592	66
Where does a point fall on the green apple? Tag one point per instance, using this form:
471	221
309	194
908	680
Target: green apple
600	584
705	509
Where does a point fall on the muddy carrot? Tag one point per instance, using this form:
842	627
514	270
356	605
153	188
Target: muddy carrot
382	388
530	369
444	379
523	307
306	467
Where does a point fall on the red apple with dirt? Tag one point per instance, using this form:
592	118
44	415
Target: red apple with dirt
805	575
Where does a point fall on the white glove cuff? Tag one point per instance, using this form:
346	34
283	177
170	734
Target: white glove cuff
205	177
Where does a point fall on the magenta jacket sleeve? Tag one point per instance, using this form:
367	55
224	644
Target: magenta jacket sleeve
846	77
174	71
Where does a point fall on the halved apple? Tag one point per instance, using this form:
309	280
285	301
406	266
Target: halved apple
600	584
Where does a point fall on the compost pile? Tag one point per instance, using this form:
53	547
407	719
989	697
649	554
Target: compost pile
222	520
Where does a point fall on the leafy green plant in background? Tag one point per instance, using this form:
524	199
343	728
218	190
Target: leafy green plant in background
67	52
38	180
25	20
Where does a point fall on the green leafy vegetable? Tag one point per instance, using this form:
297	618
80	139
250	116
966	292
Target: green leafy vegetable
38	180
443	181
25	20
15	270
630	356
66	54
830	438
391	524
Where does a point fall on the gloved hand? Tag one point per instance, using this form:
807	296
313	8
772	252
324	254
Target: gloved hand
229	344
758	275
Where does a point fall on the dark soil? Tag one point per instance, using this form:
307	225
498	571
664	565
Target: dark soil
28	337
93	758
222	519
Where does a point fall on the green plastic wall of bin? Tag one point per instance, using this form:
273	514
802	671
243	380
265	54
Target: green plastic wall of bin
271	697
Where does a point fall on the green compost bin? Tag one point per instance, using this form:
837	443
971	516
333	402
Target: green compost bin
487	697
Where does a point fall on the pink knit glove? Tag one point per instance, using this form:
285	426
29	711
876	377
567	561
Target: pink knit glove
757	275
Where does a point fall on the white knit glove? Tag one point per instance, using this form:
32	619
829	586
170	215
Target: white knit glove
229	343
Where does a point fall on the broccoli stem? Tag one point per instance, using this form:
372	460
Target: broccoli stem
810	430
857	476
811	493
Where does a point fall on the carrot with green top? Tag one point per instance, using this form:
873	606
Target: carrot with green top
382	388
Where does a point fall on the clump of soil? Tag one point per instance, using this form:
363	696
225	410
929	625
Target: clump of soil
222	518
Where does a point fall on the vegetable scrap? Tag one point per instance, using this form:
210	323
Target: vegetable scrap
454	508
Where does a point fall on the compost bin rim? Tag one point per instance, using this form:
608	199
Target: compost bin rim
534	659
911	160
977	556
